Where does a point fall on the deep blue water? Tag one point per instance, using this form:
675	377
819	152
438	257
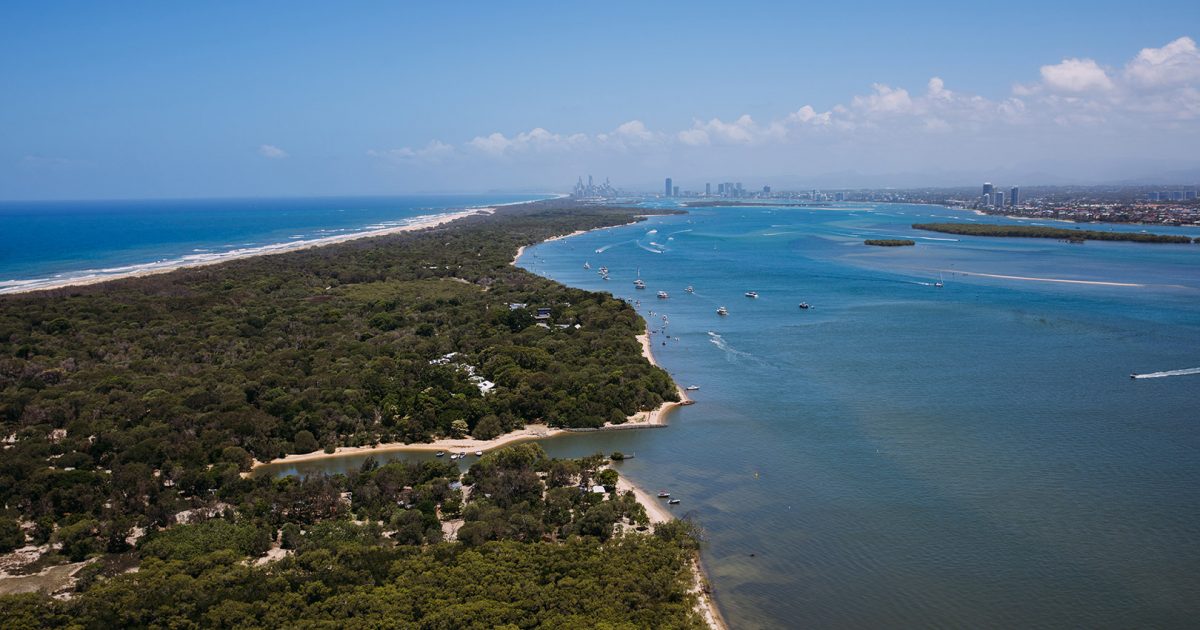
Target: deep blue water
903	455
45	240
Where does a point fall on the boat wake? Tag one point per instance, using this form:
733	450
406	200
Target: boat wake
717	340
601	250
1184	372
650	249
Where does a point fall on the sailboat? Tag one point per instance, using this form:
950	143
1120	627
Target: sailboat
587	265
639	284
939	284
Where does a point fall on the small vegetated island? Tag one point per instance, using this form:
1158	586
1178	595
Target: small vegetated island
132	411
889	242
1035	231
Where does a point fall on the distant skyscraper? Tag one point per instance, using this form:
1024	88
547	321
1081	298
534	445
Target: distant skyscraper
1177	195
707	189
669	187
987	193
766	190
1014	196
1189	195
999	198
839	196
675	191
720	189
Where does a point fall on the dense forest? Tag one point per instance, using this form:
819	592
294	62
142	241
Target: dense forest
127	403
1034	231
538	545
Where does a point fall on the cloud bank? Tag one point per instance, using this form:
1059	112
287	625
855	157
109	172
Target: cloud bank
1074	105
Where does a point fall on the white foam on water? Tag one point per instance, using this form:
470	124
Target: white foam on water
1184	372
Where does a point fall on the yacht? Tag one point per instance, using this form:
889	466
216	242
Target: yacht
752	294
692	388
722	311
662	295
639	284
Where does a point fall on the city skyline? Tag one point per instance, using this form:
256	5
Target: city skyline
244	101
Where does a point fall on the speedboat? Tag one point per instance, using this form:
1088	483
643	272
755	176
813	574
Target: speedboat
662	494
662	295
692	388
752	294
805	305
478	453
673	502
722	311
439	454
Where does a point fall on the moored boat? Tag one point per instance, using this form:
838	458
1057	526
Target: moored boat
805	305
662	295
722	311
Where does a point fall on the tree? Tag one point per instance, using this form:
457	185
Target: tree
11	536
305	442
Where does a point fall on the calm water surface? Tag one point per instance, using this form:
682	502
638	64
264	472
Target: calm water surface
904	455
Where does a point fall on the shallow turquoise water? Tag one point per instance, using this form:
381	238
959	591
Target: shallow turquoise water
903	455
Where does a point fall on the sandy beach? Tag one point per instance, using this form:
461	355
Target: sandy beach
203	260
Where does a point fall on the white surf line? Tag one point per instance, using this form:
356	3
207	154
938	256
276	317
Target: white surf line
1062	280
1184	372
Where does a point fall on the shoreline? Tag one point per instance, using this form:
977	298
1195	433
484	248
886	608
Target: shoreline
657	512
656	417
97	276
192	261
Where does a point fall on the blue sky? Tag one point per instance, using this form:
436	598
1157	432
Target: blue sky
161	99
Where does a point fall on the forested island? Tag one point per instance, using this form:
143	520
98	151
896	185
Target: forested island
1036	231
132	409
889	242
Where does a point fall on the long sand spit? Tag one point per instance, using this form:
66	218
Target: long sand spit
655	509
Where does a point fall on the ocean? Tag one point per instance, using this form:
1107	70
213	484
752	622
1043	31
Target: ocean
46	242
907	455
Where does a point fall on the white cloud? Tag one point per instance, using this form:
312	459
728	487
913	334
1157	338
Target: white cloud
435	151
1158	88
1177	62
1076	75
884	100
535	140
271	152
